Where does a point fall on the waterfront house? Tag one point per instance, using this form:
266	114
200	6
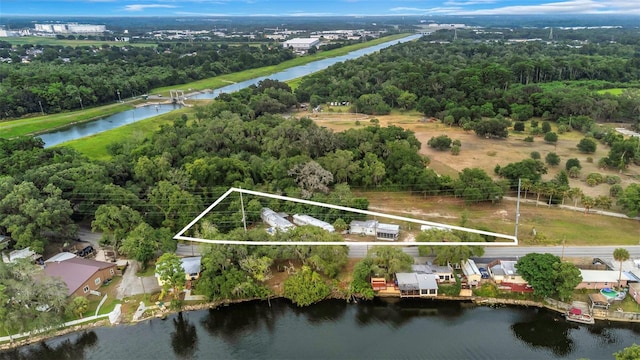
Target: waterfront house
82	276
600	279
442	273
504	271
303	220
417	285
471	271
191	267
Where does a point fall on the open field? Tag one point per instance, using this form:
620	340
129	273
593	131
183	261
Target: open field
485	153
575	228
40	124
220	81
40	40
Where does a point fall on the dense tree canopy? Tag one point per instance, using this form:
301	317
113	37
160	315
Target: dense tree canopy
548	275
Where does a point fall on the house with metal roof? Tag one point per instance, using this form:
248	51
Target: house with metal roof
303	220
442	273
82	276
374	228
504	271
471	271
417	285
600	279
275	220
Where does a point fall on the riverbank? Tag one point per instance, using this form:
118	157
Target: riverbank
550	304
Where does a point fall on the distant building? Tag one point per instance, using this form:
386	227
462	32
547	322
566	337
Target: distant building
303	220
275	220
70	28
25	253
301	45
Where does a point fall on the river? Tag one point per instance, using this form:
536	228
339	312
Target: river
130	116
407	329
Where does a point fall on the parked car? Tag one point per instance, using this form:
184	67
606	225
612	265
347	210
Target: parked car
483	273
86	251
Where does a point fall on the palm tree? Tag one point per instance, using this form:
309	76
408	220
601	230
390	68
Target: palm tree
621	255
526	186
588	202
575	194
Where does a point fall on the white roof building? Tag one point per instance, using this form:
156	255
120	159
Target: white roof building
309	220
275	220
301	44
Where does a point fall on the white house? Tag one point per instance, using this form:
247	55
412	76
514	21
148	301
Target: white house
442	273
303	220
505	271
417	285
374	228
600	279
275	220
301	45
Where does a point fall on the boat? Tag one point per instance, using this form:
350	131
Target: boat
577	315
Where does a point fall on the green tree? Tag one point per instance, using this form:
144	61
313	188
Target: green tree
78	306
258	267
551	137
170	272
450	254
442	142
548	275
587	145
115	222
306	287
142	243
620	255
629	199
546	127
552	159
629	353
573	162
497	128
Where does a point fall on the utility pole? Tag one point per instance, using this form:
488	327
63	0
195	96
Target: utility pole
81	106
41	110
518	208
119	99
244	218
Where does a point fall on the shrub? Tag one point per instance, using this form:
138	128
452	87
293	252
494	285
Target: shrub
528	139
546	127
535	155
612	179
596	177
562	129
615	190
551	137
456	142
535	131
552	159
534	124
587	145
589	159
573	162
442	142
518	126
455	150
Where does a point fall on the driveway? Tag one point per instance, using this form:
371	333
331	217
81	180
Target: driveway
133	284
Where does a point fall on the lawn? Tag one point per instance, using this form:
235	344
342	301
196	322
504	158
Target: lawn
555	224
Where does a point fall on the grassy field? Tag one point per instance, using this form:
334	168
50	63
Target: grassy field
223	80
40	124
39	40
95	146
617	91
555	224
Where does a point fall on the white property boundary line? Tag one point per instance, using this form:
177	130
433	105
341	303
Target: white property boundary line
180	236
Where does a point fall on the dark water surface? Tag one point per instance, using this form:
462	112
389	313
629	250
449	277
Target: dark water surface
407	329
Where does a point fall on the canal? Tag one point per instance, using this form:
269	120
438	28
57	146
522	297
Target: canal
407	329
130	116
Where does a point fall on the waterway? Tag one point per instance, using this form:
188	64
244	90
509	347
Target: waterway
106	123
407	329
130	116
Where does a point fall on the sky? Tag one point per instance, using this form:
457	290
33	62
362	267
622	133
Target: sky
279	8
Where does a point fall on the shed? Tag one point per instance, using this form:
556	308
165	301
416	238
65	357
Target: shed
387	232
598	300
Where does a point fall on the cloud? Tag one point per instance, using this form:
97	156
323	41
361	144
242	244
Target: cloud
469	2
561	7
141	7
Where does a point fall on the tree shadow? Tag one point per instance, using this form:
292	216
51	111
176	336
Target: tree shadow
66	349
184	339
